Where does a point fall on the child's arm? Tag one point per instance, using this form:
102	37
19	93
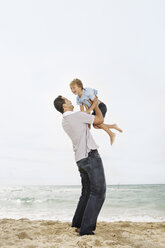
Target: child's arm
93	106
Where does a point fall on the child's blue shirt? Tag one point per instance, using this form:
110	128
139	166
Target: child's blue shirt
87	94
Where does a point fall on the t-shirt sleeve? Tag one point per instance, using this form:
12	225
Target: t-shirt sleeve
91	94
86	118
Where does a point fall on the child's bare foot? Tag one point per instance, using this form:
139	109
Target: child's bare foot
112	137
117	128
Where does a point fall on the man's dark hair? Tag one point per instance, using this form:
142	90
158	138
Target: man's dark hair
58	102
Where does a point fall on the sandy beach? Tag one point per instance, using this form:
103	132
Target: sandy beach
54	234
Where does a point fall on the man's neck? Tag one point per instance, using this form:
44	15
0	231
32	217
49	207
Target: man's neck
66	110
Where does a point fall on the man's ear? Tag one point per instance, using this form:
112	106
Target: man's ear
64	105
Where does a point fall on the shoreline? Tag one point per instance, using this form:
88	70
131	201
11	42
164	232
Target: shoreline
26	233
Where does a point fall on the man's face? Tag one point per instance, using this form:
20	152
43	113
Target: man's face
68	104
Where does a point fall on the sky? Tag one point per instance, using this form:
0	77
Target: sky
116	47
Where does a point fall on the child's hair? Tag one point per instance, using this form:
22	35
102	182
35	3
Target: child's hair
77	82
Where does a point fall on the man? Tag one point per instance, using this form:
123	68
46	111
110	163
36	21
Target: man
88	161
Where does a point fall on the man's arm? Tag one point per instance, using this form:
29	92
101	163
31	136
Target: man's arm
98	117
82	108
93	105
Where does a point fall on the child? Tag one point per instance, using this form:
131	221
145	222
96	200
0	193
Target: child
88	97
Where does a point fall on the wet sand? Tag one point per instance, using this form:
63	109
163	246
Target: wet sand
54	234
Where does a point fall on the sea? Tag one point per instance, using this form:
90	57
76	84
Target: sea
136	203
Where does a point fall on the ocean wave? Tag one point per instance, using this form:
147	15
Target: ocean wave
123	203
68	218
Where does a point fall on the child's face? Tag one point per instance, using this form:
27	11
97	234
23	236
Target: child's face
75	89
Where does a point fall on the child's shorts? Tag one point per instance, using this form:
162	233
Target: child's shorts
103	109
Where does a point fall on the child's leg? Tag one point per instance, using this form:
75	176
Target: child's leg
114	126
106	129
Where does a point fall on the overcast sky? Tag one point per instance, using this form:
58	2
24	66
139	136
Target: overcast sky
116	47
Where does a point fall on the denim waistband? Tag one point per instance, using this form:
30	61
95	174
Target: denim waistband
92	152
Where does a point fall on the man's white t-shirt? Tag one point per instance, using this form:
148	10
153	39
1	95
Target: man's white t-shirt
75	124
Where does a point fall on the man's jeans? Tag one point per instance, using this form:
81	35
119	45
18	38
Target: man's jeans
93	193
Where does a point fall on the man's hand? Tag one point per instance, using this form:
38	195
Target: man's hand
82	108
87	111
91	102
89	126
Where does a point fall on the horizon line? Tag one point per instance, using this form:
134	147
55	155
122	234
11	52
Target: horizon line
80	184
